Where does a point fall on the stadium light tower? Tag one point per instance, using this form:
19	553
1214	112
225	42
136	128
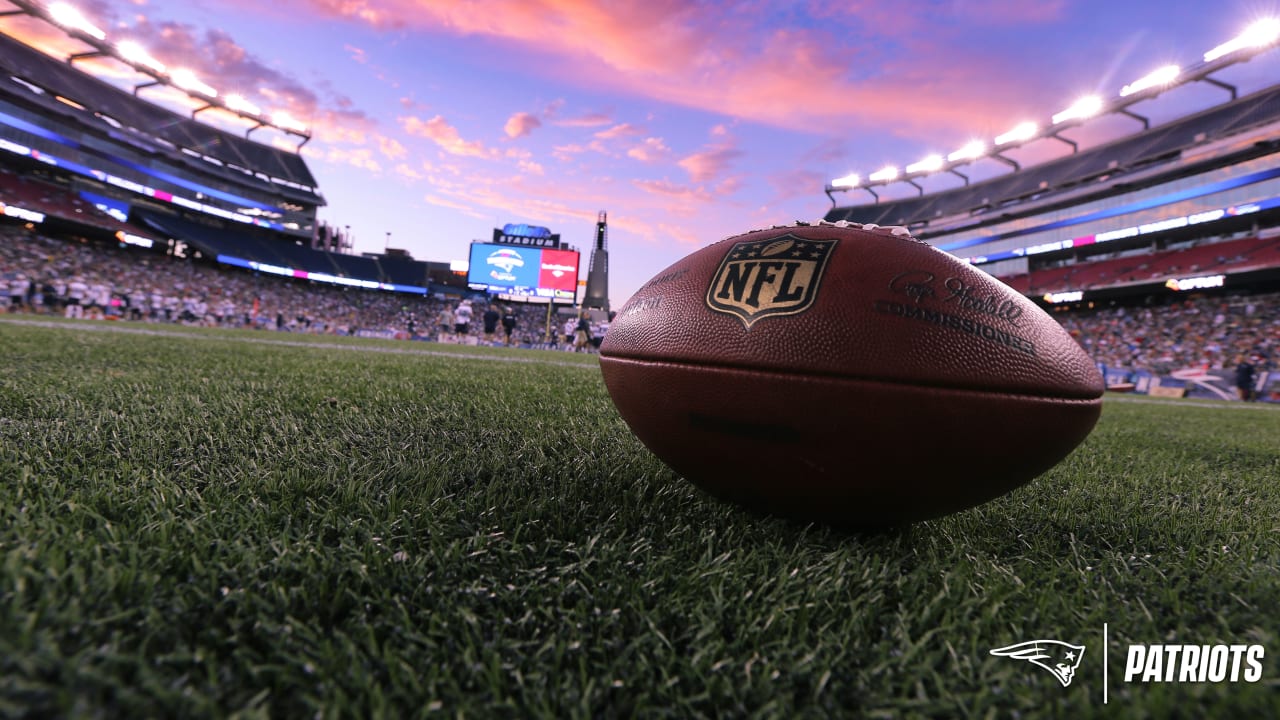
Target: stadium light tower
1082	109
187	80
972	151
1159	78
1260	34
71	18
932	163
852	180
135	53
239	104
1021	132
885	174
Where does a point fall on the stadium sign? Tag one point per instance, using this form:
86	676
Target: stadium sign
1195	283
30	216
1064	297
526	236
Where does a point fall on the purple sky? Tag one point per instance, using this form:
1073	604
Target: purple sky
437	121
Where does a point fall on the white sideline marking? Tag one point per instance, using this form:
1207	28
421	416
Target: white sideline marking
116	327
1270	407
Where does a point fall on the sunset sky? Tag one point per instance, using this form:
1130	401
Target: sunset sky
438	121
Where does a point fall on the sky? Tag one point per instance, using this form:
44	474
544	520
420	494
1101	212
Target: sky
434	122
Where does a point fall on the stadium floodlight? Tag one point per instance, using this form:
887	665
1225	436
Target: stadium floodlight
1156	78
972	151
1085	107
1024	131
69	17
884	174
239	104
852	180
188	81
284	120
136	54
933	163
1260	34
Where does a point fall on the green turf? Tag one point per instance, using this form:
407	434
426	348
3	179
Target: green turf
200	523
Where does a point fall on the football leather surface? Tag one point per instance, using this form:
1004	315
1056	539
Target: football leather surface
846	374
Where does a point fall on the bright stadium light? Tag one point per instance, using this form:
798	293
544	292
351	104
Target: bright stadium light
1156	78
1260	34
884	174
187	80
851	180
239	104
1024	131
972	151
284	120
1085	107
933	163
71	18
135	53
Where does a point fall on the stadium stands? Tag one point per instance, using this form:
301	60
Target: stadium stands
402	271
55	201
1230	256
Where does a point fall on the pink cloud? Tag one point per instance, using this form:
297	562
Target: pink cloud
594	119
619	130
391	147
361	158
651	150
521	124
741	64
443	135
672	190
406	171
709	164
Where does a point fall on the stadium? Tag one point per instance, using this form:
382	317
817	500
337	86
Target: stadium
233	484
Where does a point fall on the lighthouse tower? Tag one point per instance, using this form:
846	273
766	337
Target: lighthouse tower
598	275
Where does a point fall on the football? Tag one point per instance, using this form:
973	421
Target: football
846	374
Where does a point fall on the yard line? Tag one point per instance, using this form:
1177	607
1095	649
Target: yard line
116	327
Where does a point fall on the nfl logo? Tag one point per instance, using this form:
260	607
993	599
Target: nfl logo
762	278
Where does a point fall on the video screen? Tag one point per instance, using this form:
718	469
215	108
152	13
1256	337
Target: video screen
523	271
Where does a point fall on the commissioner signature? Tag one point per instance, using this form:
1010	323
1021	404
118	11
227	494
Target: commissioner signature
921	285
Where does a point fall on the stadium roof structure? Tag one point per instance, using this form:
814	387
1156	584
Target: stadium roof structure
1129	156
278	167
1135	151
75	24
59	82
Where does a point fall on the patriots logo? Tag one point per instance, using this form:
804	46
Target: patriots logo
1057	657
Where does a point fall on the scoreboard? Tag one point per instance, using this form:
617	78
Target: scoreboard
530	272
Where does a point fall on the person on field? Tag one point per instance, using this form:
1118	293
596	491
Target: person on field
491	318
508	323
462	319
1246	372
582	334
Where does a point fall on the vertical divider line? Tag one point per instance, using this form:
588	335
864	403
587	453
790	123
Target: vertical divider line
1105	652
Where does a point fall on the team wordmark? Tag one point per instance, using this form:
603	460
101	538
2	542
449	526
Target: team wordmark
1194	663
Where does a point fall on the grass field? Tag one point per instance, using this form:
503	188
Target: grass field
210	523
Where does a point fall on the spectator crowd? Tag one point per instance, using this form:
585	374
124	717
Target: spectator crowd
45	275
1207	332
